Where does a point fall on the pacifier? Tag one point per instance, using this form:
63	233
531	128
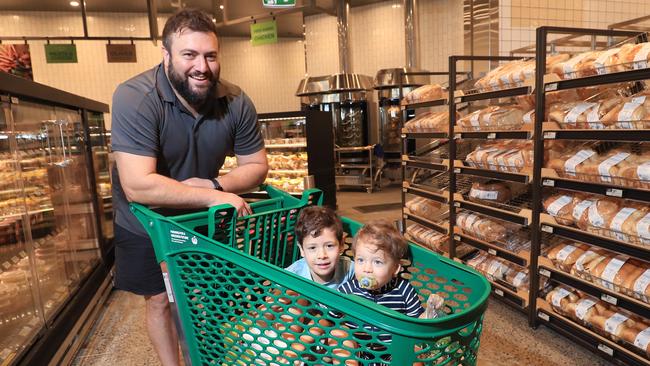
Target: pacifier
368	282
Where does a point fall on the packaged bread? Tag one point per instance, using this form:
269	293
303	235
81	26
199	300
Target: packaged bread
600	214
588	260
424	93
580	207
623	226
583	309
560	297
641	286
608	62
616	272
582	115
625	116
634	56
490	191
579	162
423	207
579	65
643	230
429	121
611	164
642	341
564	255
560	206
637	173
519	279
492	118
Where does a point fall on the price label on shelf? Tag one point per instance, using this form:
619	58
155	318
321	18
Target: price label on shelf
498	291
404	190
549	135
405	216
547	229
543	316
551	87
457	170
456	204
456	237
15	100
610	299
457	136
404	163
548	182
403	135
606	349
492	251
491	135
545	272
614	192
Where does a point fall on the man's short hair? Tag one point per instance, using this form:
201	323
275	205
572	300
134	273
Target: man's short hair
385	236
314	219
187	19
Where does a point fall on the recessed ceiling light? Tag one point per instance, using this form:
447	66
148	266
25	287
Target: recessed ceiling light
74	3
221	7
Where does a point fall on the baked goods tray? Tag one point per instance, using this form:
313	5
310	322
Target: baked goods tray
522	200
600	179
584	274
597	125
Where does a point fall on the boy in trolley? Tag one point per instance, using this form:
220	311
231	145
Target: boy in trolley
320	239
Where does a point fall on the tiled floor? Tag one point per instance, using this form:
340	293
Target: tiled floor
119	337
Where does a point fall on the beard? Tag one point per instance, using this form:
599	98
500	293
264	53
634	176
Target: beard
181	83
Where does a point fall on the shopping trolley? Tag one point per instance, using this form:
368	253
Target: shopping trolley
236	305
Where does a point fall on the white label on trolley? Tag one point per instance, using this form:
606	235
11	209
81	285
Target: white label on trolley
626	114
599	63
583	307
608	298
565	252
638	100
618	220
560	293
613	322
642	283
643	229
580	208
580	263
474	119
606	349
480	153
528	117
576	111
641	57
555	207
168	287
575	160
643	171
483	195
470	221
595	219
605	166
642	339
519	279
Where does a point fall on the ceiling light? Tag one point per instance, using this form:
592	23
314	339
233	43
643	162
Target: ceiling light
74	3
221	7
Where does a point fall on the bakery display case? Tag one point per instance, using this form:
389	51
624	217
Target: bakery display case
299	147
50	240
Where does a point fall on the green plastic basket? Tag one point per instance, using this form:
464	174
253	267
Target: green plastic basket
235	307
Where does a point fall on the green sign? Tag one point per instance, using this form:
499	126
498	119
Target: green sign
264	33
278	3
60	53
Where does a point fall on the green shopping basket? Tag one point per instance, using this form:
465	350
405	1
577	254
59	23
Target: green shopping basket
235	305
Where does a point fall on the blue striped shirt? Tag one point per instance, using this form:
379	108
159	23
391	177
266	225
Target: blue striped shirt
398	295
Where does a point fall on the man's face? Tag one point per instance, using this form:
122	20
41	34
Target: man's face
192	65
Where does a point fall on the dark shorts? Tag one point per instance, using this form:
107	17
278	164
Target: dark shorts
136	268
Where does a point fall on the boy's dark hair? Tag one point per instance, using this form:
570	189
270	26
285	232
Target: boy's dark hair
193	19
312	221
385	236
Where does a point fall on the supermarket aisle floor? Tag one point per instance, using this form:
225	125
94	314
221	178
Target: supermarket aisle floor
119	337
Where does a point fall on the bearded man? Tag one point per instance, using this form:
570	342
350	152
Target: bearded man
172	127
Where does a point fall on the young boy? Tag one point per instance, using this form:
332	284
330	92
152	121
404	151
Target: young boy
378	248
320	238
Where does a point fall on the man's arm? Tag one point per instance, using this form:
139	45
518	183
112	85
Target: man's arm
250	172
142	184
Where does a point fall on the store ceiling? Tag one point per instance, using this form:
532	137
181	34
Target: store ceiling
289	23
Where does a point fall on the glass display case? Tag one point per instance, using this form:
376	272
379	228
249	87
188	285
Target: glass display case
49	238
298	145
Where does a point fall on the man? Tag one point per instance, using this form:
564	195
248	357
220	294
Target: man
172	128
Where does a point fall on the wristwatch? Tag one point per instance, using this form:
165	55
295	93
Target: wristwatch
216	184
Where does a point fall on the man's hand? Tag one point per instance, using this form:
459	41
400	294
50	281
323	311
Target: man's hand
199	183
234	200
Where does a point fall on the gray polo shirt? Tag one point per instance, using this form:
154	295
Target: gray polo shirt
149	120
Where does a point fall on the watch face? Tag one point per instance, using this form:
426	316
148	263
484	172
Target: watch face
216	184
